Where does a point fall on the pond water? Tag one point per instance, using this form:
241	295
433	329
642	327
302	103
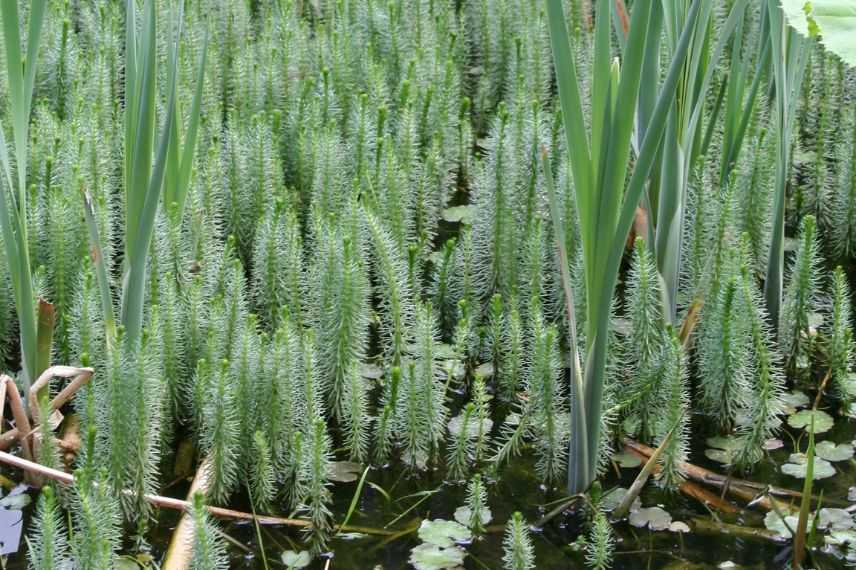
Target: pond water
394	500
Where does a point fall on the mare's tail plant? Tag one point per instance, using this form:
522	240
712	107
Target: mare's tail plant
839	341
801	299
209	550
518	551
48	543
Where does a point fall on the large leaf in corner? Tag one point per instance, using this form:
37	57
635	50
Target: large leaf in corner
833	20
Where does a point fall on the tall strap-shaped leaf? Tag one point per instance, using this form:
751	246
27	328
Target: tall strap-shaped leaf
146	197
13	205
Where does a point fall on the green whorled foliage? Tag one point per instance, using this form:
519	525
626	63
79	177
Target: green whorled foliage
839	337
97	517
535	284
801	298
130	397
760	417
506	191
443	288
219	437
518	551
243	374
313	494
510	372
671	428
254	175
547	400
645	341
262	474
278	279
469	432
209	550
600	542
7	309
754	181
421	409
723	356
843	230
714	243
493	329
173	358
342	322
477	503
819	124
495	231
48	539
310	401
397	308
44	442
386	418
278	392
461	453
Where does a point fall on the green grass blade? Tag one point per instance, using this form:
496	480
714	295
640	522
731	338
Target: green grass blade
100	269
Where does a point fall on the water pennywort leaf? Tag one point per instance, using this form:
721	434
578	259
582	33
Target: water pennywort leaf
344	471
432	557
654	518
775	523
443	533
295	560
823	422
831	452
464	514
796	467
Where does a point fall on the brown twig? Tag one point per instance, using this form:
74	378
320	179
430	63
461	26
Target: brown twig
156	500
743	490
179	553
697	492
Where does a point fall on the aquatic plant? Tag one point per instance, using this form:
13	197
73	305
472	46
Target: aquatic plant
839	330
209	551
48	543
519	554
801	298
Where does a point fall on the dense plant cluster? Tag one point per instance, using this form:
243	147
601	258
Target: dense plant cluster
353	255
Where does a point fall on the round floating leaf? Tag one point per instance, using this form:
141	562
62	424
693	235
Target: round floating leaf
831	452
654	518
841	537
443	533
344	471
794	400
457	423
294	559
15	502
796	467
627	459
462	214
835	519
612	499
371	371
432	557
464	514
722	449
802	420
485	370
679	526
775	523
